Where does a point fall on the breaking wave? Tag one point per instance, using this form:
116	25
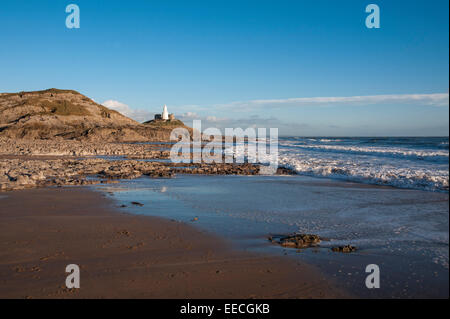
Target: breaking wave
415	163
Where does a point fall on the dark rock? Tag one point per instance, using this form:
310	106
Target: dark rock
296	240
344	249
285	171
137	204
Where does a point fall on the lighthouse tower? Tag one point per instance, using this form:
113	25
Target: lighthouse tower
165	114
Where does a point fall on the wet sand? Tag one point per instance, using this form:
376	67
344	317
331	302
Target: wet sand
404	232
128	256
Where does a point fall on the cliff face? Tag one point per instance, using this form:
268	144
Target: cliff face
67	114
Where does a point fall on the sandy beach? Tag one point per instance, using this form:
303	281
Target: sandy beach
128	256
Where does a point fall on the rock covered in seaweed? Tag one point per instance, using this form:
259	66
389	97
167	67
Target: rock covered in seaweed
296	240
344	249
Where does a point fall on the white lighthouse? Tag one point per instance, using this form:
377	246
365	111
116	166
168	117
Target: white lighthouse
165	114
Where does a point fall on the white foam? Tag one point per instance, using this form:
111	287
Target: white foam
425	169
380	151
373	173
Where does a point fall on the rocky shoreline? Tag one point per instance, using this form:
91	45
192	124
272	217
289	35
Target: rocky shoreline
62	147
27	164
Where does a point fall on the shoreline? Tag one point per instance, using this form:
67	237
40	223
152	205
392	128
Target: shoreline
128	256
25	165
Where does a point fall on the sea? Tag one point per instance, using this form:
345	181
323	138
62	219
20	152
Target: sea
404	162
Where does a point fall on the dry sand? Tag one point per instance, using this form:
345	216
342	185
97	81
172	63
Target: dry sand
127	256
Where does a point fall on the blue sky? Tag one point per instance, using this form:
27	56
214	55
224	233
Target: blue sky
295	65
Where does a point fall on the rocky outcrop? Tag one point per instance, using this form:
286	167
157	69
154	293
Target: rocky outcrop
35	163
79	148
296	240
32	172
344	249
69	115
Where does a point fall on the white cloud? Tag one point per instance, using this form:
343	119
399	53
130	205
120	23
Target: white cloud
137	115
253	121
215	119
435	99
117	106
190	116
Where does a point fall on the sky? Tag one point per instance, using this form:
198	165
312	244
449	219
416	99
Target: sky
309	68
